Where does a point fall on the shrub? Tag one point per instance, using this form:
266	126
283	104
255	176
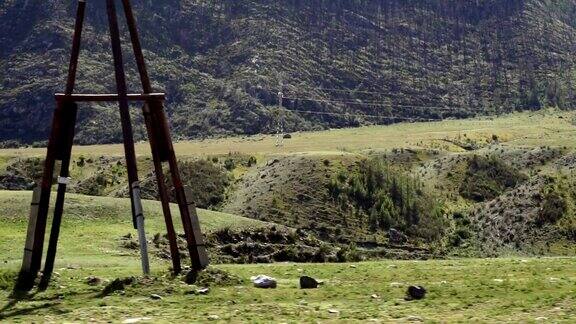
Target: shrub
348	253
251	161
207	182
229	164
487	178
554	206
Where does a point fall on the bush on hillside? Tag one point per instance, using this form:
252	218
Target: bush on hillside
554	206
487	178
207	182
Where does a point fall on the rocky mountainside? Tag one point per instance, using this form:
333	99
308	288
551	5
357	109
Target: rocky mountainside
223	62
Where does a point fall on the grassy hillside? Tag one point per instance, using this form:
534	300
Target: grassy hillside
222	62
93	227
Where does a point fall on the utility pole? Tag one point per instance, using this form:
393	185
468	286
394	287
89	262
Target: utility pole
280	126
60	148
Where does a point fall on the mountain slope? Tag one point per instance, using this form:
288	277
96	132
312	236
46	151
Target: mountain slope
222	62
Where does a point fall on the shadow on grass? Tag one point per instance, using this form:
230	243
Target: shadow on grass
37	303
9	310
21	295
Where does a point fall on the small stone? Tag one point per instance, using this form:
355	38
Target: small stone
93	281
308	283
396	284
375	296
213	317
155	296
203	291
414	319
136	320
353	266
541	318
333	311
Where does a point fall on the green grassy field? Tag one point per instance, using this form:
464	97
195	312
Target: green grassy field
548	127
528	290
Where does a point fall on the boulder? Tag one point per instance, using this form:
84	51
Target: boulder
415	293
308	283
397	237
264	282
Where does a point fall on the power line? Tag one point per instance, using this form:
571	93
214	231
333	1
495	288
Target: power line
380	104
349	91
363	115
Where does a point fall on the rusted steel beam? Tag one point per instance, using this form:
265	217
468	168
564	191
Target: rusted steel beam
134	187
26	277
35	241
162	190
137	47
65	142
32	260
108	97
76	40
192	231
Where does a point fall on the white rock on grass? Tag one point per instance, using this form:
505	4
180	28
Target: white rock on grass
136	320
263	281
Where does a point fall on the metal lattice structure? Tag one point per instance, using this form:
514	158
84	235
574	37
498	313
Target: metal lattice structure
60	148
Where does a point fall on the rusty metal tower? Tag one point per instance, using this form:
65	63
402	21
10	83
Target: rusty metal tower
60	148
